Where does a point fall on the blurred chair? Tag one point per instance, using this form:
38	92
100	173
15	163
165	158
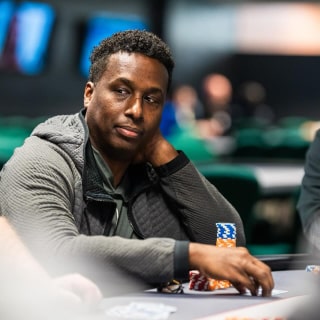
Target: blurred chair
286	143
240	187
195	148
10	138
13	131
293	122
250	143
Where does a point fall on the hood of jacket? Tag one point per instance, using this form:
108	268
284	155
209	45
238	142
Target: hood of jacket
69	132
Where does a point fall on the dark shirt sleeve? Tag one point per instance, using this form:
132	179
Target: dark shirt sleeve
181	260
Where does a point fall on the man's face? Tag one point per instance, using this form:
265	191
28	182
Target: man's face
124	107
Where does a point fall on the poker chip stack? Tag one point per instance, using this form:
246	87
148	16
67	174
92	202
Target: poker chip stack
226	234
226	237
313	268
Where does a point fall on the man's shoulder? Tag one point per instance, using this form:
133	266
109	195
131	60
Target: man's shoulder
66	121
66	133
66	128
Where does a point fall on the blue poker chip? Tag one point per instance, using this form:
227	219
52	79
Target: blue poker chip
226	230
313	268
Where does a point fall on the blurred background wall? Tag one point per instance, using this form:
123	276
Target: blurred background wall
274	43
58	87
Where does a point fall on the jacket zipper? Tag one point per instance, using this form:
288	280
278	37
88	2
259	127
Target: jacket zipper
132	222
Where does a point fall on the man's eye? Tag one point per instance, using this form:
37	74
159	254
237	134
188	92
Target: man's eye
121	91
152	100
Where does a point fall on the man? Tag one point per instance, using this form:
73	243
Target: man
96	183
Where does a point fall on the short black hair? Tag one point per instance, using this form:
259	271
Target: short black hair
135	41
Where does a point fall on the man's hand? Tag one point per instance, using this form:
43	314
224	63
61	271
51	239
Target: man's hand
234	264
157	150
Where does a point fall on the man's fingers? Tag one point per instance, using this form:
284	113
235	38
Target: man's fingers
254	274
240	287
246	282
261	276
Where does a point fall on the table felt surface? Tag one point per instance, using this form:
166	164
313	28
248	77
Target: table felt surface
196	304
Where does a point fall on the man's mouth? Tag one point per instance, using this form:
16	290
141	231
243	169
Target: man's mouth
128	132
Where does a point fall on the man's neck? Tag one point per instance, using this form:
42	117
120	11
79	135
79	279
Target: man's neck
118	169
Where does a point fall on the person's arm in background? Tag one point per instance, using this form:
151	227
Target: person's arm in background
28	287
309	200
15	256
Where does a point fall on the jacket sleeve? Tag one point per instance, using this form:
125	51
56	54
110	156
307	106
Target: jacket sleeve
309	200
198	202
37	195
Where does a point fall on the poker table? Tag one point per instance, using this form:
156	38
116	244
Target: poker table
274	179
293	290
277	178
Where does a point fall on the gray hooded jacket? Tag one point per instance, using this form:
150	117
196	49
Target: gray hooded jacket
52	193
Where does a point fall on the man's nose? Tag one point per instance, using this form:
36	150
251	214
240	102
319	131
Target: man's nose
136	107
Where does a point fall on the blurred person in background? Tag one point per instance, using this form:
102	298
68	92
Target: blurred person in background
186	135
309	198
187	105
168	124
217	95
181	110
252	107
105	185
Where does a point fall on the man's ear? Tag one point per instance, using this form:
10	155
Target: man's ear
88	91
